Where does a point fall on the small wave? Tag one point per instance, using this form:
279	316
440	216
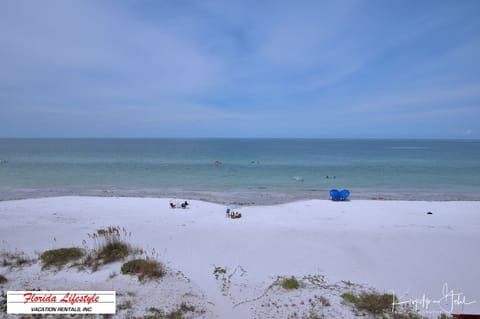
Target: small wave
408	148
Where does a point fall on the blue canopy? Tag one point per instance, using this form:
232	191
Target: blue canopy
337	195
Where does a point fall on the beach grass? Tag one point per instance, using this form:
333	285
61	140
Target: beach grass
110	245
60	257
3	302
219	271
372	302
15	259
290	283
125	306
143	268
113	251
349	297
178	313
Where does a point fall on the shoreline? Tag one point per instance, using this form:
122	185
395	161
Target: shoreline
231	197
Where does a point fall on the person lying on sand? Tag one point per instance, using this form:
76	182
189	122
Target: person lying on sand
235	215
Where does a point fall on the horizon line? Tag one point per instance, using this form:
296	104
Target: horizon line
236	138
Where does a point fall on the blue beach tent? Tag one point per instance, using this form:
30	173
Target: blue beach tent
334	194
344	194
337	195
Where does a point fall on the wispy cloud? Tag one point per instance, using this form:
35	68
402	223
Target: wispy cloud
281	68
415	99
97	45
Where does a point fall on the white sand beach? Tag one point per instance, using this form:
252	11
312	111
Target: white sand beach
330	247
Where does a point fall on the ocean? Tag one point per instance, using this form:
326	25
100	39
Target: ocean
246	171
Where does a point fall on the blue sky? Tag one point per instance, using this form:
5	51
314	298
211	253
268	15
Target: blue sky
366	69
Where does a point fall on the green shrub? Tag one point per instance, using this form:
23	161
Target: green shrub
60	257
174	314
349	297
113	251
373	303
3	279
143	268
290	283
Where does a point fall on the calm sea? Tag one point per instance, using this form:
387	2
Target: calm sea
273	169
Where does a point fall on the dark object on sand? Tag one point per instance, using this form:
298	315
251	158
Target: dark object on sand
429	213
182	205
337	195
234	215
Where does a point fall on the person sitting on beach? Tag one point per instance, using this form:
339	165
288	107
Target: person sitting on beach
172	205
184	205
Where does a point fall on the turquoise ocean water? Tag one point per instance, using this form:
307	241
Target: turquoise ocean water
258	169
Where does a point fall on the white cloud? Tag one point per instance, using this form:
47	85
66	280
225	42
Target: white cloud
86	42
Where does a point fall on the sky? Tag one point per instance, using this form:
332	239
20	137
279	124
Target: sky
306	69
